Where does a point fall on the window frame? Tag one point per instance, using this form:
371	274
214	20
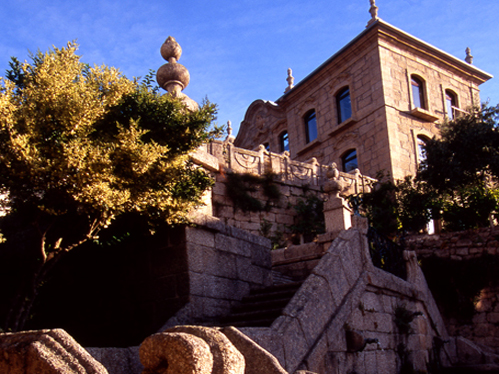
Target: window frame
418	90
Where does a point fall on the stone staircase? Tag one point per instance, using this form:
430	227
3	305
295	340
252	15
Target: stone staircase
261	307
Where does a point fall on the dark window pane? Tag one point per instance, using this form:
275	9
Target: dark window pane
349	161
344	105
284	141
311	126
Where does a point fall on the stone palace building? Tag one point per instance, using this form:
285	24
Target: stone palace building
370	106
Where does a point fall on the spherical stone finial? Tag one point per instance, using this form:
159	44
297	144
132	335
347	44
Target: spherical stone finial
171	50
172	76
469	57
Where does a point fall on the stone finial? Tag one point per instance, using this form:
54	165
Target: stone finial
469	57
174	77
230	138
373	10
171	50
290	79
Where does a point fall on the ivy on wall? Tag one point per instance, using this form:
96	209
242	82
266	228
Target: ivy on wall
309	219
241	186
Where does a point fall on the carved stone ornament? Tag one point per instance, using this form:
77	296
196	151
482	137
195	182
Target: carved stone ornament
335	185
373	10
174	77
290	79
469	57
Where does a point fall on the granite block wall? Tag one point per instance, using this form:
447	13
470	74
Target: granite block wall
483	328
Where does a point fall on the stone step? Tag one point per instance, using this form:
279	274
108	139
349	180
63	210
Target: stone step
279	278
262	306
255	315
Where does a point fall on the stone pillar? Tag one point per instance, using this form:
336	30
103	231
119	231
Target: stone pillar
337	213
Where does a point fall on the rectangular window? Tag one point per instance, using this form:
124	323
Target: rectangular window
349	161
417	93
284	141
311	126
344	105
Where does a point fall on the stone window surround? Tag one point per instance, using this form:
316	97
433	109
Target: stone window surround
445	93
422	113
419	82
338	88
347	147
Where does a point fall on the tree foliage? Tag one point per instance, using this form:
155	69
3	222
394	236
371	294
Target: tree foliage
457	181
81	145
397	206
466	153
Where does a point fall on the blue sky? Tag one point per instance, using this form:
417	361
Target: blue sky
239	51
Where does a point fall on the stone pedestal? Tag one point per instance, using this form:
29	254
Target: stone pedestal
337	214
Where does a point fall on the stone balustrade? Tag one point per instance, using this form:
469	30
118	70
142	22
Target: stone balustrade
289	171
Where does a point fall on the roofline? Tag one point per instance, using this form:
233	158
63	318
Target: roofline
463	65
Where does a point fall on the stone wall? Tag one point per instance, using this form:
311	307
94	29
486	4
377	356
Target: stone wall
462	246
224	264
298	261
347	296
280	213
294	180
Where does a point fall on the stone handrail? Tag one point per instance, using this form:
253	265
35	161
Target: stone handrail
290	171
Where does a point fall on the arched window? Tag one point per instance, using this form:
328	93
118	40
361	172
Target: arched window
310	126
421	143
349	160
418	92
450	104
284	141
344	105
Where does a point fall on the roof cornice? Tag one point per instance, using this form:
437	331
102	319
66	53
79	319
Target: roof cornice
387	30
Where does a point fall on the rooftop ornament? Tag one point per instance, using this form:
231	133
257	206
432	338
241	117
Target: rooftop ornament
290	79
469	57
174	77
230	138
374	13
